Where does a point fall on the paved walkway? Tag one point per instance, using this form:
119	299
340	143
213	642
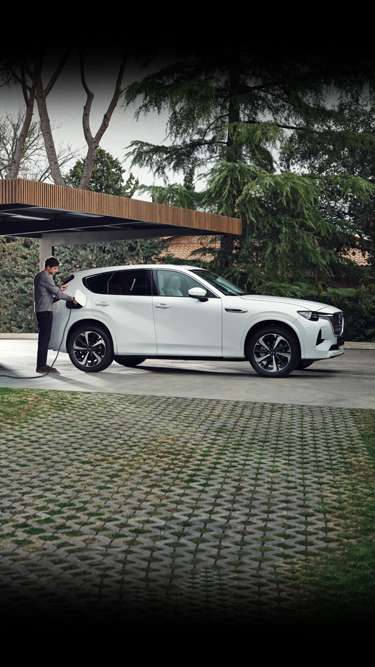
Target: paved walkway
163	507
347	381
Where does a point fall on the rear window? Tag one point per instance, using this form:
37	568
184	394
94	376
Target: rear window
98	283
129	282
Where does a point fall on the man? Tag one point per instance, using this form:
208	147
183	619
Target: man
45	290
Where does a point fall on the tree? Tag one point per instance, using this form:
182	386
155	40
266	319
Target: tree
106	177
27	68
93	140
342	143
217	103
20	138
30	163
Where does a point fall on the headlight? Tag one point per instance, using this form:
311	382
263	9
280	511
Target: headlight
308	315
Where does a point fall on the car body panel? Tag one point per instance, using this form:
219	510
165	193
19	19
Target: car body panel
188	326
166	325
131	319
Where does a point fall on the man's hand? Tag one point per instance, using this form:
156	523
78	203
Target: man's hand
74	301
63	288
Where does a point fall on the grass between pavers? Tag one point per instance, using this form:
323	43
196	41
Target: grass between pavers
338	587
334	586
18	405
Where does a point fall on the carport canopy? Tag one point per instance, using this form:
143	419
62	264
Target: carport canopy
64	216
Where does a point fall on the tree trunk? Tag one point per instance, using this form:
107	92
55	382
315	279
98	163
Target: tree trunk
233	152
20	145
226	244
93	141
45	126
29	97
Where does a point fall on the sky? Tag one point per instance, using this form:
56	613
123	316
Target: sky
65	105
67	98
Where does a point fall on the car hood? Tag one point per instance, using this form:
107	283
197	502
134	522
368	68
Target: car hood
304	304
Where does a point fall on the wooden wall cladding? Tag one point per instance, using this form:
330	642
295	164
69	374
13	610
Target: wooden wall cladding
33	193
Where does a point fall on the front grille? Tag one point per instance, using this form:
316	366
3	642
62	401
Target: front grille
338	324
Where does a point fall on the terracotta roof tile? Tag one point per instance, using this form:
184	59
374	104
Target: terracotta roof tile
183	246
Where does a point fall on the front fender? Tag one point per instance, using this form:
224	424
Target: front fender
284	320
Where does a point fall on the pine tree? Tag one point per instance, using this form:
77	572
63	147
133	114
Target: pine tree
342	143
230	112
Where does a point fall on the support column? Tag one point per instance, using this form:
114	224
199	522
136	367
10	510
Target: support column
46	249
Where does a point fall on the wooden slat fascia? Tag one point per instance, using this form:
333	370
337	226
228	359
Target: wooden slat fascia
33	193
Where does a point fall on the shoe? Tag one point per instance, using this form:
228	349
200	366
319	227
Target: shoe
46	369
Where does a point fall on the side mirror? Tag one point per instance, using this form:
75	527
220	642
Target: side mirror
198	293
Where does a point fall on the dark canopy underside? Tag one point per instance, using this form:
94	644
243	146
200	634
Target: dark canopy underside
32	209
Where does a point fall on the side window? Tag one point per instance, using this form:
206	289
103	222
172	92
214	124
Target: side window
132	282
97	284
174	283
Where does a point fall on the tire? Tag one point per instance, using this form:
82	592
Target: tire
273	351
129	361
90	348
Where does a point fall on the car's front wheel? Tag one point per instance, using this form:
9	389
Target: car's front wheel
129	361
273	351
90	348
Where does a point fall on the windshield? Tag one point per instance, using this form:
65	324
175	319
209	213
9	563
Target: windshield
220	283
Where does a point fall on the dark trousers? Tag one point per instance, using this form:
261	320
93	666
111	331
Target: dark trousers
44	327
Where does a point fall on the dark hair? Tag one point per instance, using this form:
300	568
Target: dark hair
51	261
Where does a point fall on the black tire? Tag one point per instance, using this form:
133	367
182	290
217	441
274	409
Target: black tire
303	364
273	351
81	350
129	361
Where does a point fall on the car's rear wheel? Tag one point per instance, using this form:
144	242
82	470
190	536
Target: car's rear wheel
90	348
129	361
273	351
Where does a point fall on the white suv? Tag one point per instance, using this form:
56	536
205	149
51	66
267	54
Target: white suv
137	312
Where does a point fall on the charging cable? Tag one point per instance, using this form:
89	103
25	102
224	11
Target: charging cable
35	377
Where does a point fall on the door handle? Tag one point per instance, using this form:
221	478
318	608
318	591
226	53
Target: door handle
162	305
103	303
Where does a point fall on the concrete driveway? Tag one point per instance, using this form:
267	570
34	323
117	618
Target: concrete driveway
345	382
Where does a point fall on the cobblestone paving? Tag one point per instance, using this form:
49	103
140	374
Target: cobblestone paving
153	505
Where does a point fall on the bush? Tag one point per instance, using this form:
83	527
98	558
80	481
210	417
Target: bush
358	306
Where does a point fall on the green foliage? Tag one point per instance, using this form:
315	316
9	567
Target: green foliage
341	144
19	260
174	195
358	306
285	238
115	253
107	176
299	216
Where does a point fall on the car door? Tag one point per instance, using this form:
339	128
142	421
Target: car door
126	305
185	325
